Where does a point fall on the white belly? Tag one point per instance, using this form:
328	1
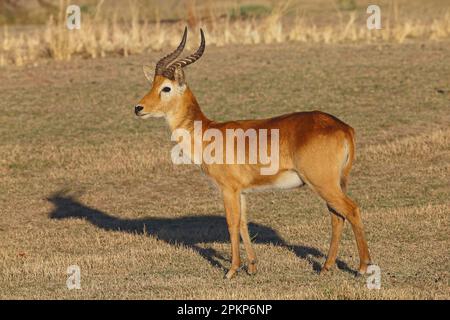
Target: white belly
285	180
288	180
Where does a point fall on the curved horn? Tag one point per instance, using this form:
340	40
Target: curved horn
161	65
169	72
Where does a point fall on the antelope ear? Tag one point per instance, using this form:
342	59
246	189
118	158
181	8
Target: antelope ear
179	76
148	72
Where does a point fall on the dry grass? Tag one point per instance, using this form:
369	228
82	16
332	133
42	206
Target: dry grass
104	34
414	146
84	182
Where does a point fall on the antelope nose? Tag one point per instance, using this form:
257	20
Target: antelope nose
138	109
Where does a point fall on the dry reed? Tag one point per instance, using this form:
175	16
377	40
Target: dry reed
102	35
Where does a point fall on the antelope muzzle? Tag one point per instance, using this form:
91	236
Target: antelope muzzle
138	109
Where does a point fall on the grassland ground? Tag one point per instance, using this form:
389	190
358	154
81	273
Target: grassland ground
83	182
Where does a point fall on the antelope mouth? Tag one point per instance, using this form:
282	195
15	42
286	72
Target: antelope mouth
150	115
144	115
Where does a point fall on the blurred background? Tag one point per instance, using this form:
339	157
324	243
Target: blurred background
34	30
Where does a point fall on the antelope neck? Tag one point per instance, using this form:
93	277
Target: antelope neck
187	113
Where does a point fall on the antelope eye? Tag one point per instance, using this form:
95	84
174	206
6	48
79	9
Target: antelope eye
166	89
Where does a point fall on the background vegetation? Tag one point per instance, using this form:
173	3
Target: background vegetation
133	27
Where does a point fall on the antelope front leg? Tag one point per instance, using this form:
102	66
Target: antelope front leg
231	203
246	238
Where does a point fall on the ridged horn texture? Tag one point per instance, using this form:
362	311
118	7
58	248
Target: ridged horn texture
164	62
170	71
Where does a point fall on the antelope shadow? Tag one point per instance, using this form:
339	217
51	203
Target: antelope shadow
189	231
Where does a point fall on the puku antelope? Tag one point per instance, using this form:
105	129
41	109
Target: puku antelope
315	148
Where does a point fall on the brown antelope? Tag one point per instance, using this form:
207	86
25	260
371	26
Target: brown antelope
315	148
